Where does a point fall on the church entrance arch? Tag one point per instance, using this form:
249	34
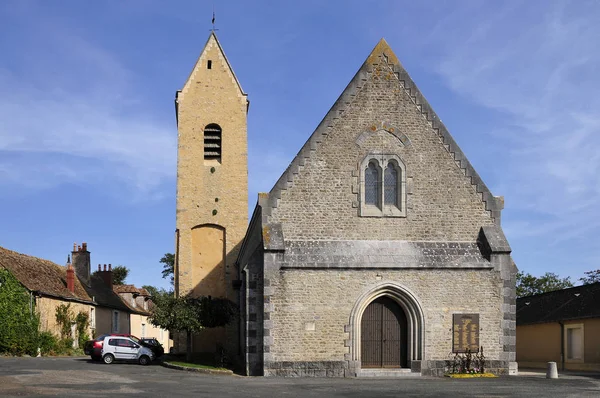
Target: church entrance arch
386	328
383	335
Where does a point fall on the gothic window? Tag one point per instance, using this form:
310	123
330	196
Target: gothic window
212	142
390	197
383	180
372	184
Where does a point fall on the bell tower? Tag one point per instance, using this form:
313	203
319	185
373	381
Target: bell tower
212	183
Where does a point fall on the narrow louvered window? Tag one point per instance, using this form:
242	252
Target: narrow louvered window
390	197
212	142
372	184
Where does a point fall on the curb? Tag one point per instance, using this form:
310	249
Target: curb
198	370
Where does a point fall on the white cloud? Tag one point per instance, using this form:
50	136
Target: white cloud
78	123
536	66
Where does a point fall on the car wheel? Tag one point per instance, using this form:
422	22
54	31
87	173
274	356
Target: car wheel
144	360
108	358
96	358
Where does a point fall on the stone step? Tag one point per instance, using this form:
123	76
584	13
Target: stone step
391	373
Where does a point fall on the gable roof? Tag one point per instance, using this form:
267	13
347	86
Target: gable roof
573	303
42	276
103	295
382	49
212	38
135	291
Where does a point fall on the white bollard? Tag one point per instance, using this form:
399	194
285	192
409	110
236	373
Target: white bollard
551	372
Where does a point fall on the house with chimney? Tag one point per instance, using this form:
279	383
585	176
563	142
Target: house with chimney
111	314
139	302
50	285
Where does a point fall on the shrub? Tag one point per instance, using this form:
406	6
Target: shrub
48	343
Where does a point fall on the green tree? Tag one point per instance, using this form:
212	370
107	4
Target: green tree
19	321
528	284
190	314
168	262
119	274
591	277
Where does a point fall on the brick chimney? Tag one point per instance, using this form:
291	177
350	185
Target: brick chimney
106	275
81	262
70	276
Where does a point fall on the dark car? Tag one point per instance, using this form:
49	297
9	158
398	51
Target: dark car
93	348
154	345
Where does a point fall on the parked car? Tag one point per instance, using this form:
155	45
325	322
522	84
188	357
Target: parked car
93	348
120	348
154	345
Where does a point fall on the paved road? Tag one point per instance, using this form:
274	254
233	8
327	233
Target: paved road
65	377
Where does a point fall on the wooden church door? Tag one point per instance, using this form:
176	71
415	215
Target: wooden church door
384	335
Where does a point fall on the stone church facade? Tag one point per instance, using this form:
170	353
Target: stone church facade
370	250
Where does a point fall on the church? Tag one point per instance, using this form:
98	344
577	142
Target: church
378	252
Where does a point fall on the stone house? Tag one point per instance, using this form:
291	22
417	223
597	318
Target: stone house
111	314
50	286
378	251
561	326
139	302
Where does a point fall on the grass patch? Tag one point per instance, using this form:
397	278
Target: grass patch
469	375
194	365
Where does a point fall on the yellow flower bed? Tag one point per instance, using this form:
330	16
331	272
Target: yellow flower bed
469	375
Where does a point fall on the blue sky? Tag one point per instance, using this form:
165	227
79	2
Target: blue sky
87	122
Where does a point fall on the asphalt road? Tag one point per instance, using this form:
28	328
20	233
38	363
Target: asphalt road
66	377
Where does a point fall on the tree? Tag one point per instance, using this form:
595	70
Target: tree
591	277
168	262
19	320
528	284
119	274
190	314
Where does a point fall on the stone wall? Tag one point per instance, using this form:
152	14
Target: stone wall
46	307
311	311
211	193
321	200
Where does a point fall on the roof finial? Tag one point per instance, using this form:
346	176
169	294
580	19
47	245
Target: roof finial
68	259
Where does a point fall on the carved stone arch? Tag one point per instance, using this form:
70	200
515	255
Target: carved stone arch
411	306
385	126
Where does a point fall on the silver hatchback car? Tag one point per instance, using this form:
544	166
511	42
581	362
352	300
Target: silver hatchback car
125	349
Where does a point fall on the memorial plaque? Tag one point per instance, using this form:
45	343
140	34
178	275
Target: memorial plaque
465	332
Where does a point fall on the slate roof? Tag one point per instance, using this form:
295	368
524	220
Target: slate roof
383	254
43	276
568	304
103	295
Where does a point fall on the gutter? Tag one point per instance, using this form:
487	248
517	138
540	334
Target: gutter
74	299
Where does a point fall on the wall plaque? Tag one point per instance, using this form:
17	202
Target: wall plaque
465	332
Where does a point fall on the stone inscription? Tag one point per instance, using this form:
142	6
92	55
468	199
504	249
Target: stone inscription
465	330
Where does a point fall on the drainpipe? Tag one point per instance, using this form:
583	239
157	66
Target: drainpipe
562	345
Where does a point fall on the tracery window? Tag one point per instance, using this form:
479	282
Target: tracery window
383	182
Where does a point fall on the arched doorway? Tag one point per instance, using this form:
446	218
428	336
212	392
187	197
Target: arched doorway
384	335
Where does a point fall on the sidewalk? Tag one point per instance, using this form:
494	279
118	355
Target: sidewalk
562	374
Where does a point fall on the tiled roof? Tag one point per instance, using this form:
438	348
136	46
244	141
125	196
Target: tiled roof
568	304
135	290
41	275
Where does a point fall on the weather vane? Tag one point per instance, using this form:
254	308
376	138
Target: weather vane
213	20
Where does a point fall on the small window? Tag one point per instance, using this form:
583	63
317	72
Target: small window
92	318
390	198
212	142
382	197
372	184
209	64
115	325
